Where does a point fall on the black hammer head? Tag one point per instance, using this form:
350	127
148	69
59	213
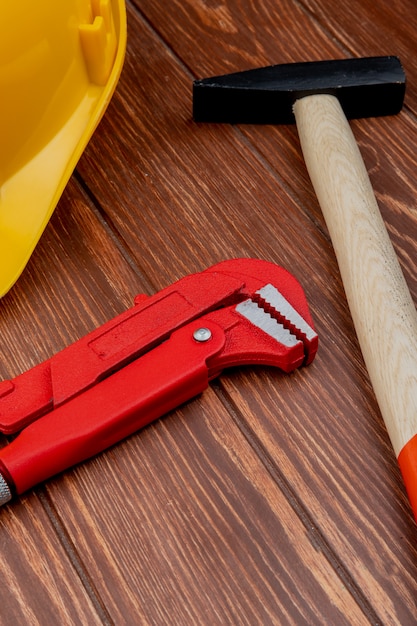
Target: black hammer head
365	87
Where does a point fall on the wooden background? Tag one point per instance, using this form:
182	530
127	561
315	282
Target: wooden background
270	499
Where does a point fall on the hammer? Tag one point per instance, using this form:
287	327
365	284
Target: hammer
319	96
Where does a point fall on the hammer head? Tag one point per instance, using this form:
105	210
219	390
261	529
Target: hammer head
365	87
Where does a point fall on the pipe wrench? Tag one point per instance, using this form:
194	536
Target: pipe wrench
147	361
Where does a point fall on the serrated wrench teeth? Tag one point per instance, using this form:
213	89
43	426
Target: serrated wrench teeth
296	323
253	312
271	312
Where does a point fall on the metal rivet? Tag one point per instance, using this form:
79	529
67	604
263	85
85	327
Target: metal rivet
202	334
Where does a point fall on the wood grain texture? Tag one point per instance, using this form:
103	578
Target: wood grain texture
39	583
271	499
218	512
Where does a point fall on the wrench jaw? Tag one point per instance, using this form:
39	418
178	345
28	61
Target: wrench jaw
269	289
255	274
264	329
272	301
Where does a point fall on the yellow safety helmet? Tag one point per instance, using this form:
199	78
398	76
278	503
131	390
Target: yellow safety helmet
60	61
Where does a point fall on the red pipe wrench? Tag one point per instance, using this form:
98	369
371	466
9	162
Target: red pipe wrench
146	362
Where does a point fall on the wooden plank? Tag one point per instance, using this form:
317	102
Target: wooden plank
168	191
40	584
182	524
338	465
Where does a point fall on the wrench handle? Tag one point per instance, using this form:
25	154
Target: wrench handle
111	410
381	306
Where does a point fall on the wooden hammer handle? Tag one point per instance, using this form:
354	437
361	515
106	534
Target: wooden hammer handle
383	312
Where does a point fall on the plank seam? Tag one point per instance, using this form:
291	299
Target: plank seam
74	558
315	535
